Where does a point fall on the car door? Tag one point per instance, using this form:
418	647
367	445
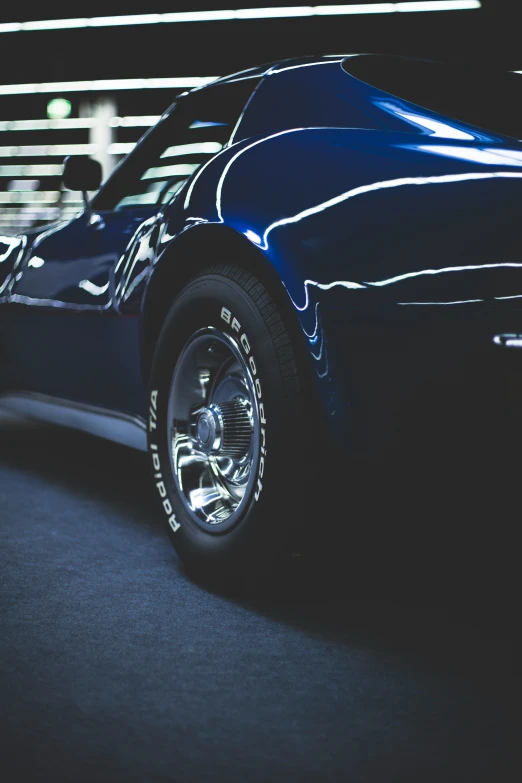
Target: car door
73	339
67	340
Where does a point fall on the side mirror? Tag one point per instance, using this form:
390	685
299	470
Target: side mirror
81	173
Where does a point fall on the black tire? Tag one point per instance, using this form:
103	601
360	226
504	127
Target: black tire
233	302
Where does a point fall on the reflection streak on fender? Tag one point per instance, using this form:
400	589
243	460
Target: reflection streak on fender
376	186
236	156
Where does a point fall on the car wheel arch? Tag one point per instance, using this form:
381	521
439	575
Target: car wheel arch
193	250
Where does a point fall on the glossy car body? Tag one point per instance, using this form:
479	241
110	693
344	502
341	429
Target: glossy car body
389	231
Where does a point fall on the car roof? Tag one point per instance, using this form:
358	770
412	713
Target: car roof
265	68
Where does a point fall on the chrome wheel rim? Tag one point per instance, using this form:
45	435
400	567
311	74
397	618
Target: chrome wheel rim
213	429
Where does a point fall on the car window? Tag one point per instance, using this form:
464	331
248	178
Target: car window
475	95
172	166
198	127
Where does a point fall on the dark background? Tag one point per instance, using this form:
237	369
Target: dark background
487	35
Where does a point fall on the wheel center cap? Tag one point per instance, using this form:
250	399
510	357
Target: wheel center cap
209	429
203	428
224	430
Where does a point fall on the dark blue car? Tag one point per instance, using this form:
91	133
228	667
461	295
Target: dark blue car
297	262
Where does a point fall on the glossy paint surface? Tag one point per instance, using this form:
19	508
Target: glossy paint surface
394	231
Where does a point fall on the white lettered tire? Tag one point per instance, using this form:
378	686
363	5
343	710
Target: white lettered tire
226	447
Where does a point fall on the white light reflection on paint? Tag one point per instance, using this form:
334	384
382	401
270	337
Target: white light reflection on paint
92	288
325	373
233	159
11	242
201	124
377	186
459	301
324	287
318	356
313	336
467	268
437	128
253	236
508	340
137	280
307	65
36	262
191	186
485	156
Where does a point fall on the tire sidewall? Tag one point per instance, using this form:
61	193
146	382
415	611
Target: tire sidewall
218	302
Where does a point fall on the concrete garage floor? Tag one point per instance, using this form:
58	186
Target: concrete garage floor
395	662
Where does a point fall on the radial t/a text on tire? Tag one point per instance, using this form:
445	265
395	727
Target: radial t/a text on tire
224	440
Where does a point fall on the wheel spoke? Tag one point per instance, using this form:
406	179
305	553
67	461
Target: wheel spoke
215	427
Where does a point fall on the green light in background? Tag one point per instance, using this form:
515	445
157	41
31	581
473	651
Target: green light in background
59	108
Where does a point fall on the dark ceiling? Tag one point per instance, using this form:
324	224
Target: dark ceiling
491	34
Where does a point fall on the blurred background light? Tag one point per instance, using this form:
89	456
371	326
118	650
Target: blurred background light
121	148
59	108
23	184
134	122
242	13
77	123
203	148
42	150
106	84
178	169
38	124
32	170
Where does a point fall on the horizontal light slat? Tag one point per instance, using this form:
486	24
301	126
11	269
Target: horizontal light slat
177	169
14	197
240	14
134	122
100	85
196	148
121	147
41	150
41	124
32	170
45	196
78	123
